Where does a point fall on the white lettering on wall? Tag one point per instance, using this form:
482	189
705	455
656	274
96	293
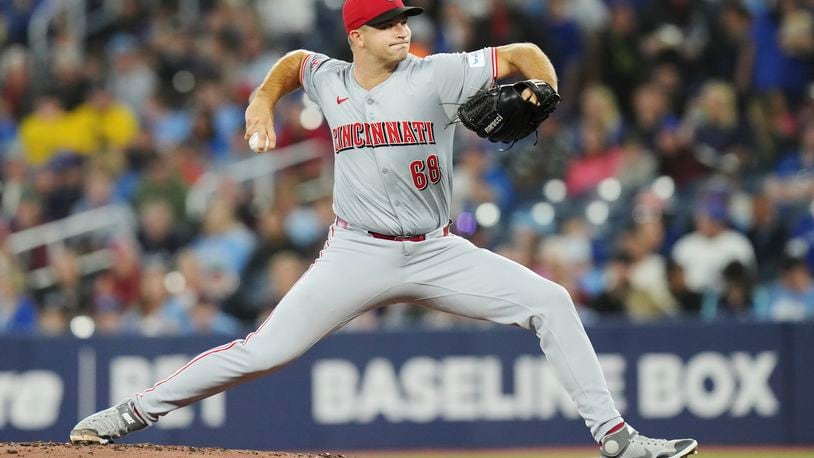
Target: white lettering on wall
133	374
477	388
30	400
708	385
455	388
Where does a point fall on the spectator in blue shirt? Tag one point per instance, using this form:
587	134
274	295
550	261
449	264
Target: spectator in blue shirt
792	297
782	51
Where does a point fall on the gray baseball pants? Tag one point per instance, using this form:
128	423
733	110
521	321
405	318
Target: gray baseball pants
356	272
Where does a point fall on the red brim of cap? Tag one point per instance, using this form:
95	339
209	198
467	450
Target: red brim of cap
395	12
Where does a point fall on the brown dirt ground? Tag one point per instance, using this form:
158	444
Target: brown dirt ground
65	450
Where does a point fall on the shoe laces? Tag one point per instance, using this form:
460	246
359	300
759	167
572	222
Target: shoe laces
647	441
106	423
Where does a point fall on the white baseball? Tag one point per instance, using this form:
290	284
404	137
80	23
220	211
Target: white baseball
254	142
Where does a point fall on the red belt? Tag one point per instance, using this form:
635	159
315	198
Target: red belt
396	238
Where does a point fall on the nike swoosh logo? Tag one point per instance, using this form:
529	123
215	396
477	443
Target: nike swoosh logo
338	100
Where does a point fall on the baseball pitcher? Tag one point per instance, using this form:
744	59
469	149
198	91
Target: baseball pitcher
392	116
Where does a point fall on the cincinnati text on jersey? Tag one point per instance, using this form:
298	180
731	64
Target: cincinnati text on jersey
385	133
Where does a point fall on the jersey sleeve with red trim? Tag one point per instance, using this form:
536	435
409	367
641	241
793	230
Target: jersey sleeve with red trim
459	75
313	70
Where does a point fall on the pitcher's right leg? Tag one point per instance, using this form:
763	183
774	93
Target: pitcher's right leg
350	277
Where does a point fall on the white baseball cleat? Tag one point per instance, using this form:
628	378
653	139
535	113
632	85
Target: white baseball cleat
112	423
628	443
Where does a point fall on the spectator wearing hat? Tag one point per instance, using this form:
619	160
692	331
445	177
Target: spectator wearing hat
705	252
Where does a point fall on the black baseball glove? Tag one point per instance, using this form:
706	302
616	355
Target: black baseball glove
502	115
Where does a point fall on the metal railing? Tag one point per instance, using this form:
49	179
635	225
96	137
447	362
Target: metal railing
38	37
118	221
80	23
257	171
106	223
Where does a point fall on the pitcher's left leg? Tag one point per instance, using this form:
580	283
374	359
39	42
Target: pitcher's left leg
452	275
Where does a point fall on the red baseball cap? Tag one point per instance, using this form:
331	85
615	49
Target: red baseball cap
357	13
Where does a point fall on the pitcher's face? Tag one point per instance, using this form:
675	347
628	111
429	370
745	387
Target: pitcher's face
389	42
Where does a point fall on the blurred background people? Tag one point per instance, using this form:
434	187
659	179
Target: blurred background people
662	102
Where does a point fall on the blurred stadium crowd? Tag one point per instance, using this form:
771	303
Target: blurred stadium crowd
675	181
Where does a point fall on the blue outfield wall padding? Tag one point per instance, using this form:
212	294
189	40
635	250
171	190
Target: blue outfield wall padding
800	399
726	383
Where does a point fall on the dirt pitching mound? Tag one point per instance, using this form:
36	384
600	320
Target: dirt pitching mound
58	450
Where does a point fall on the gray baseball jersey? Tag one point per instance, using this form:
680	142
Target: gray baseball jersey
393	144
393	153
